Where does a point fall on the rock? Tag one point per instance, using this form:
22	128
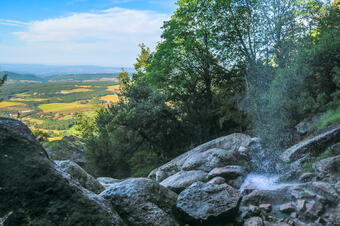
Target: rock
266	207
78	174
329	165
305	177
326	190
217	180
210	159
143	201
300	205
308	124
183	179
314	210
69	148
258	197
229	143
254	221
287	207
313	146
209	203
107	181
294	215
336	148
31	187
227	172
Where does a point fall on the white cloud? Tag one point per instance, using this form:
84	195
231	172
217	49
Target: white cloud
14	23
109	37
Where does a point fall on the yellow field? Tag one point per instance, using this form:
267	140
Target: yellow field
29	99
38	121
83	86
66	117
78	90
54	138
110	98
64	107
114	88
7	104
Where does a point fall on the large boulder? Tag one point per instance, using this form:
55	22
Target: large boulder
211	204
33	192
108	181
183	179
143	201
69	148
328	165
216	153
314	146
76	173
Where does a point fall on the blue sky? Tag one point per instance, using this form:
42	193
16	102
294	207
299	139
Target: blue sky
79	32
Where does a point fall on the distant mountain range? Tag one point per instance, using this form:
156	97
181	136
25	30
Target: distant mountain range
16	77
48	70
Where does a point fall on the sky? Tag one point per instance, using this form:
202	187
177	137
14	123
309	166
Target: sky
80	32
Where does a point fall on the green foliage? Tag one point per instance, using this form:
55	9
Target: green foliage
40	135
2	81
331	117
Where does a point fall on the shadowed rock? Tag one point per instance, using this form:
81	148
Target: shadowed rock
81	176
210	204
143	202
35	192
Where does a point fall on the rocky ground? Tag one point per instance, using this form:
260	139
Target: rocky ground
208	185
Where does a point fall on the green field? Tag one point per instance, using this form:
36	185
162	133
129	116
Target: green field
52	106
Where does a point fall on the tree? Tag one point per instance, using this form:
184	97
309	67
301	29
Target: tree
2	81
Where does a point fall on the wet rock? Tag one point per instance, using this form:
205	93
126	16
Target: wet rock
308	124
326	190
78	174
287	207
254	221
196	159
143	202
31	187
266	207
209	203
183	179
258	197
227	172
313	146
293	215
107	181
327	166
314	210
336	148
300	205
305	177
217	180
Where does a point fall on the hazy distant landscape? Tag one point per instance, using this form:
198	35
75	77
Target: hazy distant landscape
51	103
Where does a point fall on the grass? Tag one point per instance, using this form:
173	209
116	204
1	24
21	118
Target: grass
110	98
331	117
307	167
64	107
78	90
326	154
7	104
